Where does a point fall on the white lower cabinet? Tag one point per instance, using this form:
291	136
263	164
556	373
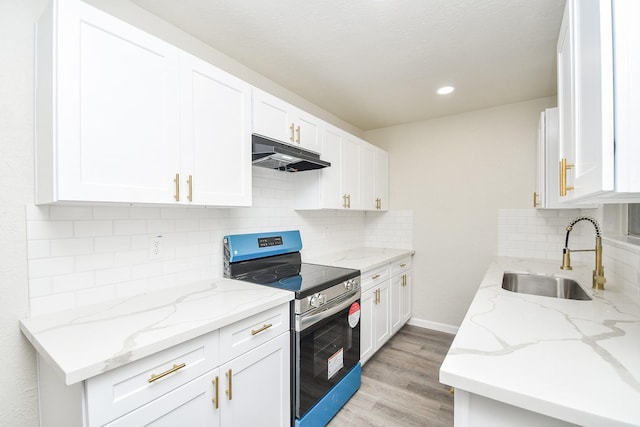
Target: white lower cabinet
400	294
257	386
197	383
193	404
386	304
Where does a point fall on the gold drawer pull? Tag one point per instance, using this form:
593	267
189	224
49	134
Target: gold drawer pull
167	372
177	181
403	265
375	277
215	386
229	391
190	183
263	328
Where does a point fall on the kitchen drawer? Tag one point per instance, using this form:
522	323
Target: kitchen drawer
400	265
124	389
246	334
372	278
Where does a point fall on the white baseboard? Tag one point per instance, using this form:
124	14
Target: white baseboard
441	327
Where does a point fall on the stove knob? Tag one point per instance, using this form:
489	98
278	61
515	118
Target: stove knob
314	301
348	285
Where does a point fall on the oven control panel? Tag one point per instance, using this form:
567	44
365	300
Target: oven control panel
327	296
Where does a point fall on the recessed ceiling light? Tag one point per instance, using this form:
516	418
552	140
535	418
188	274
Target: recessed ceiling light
445	90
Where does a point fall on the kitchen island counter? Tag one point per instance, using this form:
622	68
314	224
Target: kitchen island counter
576	361
88	341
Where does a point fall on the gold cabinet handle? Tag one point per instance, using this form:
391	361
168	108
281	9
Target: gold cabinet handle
177	181
563	177
215	392
375	277
402	265
263	328
229	391
377	296
535	199
291	137
404	280
378	203
176	367
344	201
298	133
190	183
349	201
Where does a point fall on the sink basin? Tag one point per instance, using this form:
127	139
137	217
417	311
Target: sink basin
546	286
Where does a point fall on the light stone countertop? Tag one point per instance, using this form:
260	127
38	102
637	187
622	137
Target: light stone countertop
88	341
362	259
578	361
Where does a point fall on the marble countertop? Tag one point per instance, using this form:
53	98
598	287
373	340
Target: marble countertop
577	361
85	342
362	259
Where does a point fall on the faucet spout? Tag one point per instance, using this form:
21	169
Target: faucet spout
598	273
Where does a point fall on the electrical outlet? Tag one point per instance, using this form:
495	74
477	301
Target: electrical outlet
155	247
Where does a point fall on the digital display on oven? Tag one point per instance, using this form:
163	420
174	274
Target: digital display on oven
264	242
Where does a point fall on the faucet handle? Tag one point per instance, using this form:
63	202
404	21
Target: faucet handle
566	260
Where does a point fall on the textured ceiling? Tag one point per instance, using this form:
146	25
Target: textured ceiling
378	63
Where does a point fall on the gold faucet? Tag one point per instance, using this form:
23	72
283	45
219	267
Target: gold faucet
598	274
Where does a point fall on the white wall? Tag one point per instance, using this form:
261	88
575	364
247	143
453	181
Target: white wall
455	173
18	392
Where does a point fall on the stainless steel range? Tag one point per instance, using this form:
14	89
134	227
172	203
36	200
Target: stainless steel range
325	318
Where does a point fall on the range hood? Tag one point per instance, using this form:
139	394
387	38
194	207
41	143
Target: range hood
272	154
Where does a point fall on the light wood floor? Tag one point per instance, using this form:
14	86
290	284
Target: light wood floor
400	384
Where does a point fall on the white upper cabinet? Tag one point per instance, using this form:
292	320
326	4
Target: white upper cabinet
381	179
216	134
598	52
357	177
281	121
122	116
547	194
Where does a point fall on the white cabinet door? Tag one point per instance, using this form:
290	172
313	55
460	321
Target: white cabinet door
279	120
367	319
271	117
307	130
330	178
381	179
405	296
256	386
107	109
382	321
566	94
395	299
216	136
627	95
593	79
193	404
350	172
367	176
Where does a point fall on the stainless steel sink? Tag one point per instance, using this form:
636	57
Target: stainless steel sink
546	286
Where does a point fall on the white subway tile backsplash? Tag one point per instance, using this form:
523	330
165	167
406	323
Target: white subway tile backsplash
39	249
93	228
65	247
81	255
128	227
49	230
71	282
49	267
39	287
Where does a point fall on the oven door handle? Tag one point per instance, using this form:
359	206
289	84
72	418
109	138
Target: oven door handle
304	322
